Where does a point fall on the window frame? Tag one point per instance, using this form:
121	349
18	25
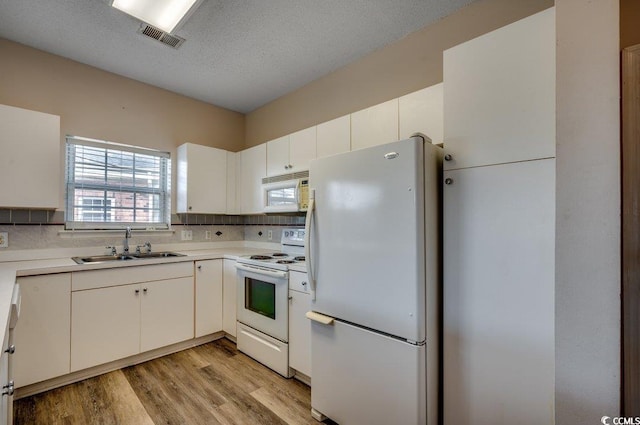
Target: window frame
163	191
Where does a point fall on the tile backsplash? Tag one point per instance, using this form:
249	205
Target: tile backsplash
41	229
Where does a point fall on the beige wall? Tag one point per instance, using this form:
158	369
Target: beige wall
629	23
101	105
587	211
408	65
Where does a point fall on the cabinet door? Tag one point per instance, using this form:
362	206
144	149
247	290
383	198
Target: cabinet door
253	168
278	156
299	332
499	95
33	138
232	185
202	179
334	136
229	298
43	329
166	312
208	297
375	125
302	149
105	325
422	111
499	259
6	403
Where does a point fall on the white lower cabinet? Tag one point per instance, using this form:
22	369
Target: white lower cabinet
166	313
229	297
121	315
299	325
6	405
43	329
105	325
208	297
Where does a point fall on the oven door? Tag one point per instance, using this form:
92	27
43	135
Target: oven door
262	301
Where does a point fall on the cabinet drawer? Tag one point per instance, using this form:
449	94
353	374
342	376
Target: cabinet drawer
93	279
298	281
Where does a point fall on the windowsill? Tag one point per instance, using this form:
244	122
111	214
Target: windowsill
79	233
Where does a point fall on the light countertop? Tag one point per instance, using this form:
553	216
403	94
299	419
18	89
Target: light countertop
12	269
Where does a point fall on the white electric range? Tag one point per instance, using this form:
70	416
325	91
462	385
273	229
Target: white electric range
263	302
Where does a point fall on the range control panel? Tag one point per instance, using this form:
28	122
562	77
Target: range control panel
293	237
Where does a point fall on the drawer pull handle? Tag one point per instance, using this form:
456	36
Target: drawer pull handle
11	349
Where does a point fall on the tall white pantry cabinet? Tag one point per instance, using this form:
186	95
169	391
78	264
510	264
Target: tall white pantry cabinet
499	226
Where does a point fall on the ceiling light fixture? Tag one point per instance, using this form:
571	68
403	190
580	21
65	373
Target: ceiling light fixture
164	14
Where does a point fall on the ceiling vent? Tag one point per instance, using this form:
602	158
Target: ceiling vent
161	36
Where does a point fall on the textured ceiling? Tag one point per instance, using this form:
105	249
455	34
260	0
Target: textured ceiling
239	54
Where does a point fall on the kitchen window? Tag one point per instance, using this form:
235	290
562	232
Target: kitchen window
111	186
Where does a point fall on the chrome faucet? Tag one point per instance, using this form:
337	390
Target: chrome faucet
127	236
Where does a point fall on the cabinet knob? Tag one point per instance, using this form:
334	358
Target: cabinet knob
137	291
303	283
11	349
144	290
290	297
448	157
8	389
199	267
448	181
190	208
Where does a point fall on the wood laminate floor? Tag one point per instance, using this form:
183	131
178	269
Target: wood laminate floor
210	384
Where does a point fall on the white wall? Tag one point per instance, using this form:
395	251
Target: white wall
588	212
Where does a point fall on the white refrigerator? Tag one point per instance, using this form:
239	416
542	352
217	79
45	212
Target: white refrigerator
373	259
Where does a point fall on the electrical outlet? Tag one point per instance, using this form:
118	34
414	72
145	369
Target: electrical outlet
207	234
270	234
4	239
187	235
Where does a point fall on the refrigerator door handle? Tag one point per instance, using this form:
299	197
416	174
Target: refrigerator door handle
307	243
320	318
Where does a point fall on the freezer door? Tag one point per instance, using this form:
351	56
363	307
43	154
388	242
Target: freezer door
362	377
367	238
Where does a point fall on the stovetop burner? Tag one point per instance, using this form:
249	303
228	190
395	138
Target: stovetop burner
260	257
279	254
299	258
285	261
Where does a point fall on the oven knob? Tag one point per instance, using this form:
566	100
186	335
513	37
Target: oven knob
286	234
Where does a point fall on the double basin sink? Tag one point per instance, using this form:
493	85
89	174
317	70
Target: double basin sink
125	257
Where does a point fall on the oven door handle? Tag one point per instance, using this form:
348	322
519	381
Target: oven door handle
307	243
274	273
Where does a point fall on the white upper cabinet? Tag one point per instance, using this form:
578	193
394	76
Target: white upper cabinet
499	95
252	169
29	158
375	125
291	153
422	111
202	179
232	182
334	136
278	156
302	149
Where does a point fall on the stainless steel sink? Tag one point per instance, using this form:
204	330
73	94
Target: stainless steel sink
121	257
102	258
160	254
